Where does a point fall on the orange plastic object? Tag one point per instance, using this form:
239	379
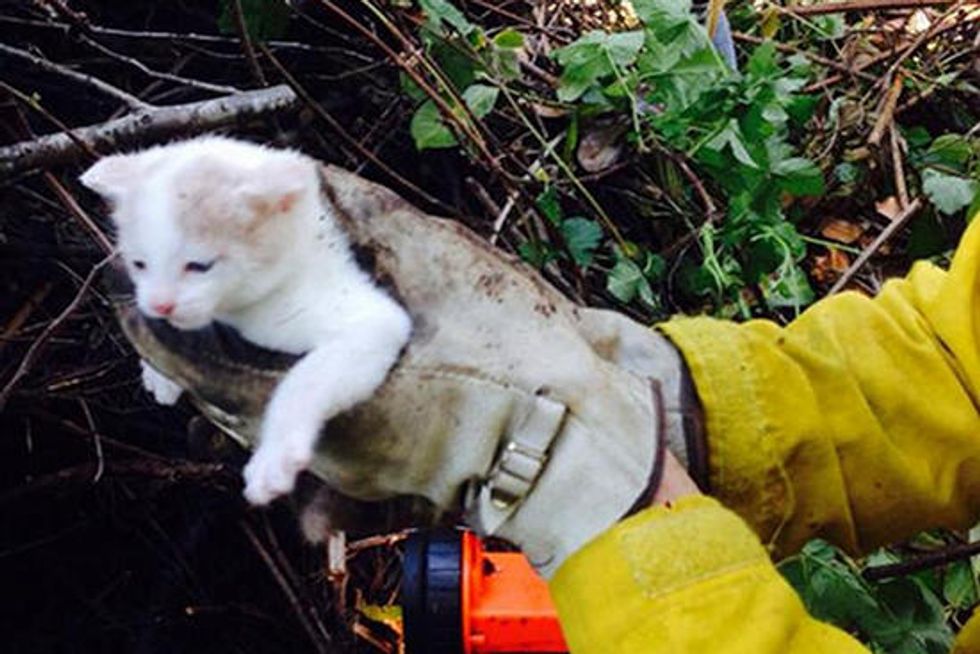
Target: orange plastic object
506	606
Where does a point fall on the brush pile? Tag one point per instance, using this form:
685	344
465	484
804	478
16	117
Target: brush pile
604	142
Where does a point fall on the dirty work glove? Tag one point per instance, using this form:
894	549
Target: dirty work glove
542	421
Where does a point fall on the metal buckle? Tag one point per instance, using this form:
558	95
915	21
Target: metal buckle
517	468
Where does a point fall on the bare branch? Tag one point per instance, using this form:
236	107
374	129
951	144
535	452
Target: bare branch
863	5
88	80
147	124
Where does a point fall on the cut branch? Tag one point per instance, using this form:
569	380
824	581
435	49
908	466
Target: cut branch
147	124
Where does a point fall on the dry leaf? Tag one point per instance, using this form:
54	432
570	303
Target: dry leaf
601	146
890	207
840	230
827	268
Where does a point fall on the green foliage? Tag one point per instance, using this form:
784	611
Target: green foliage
580	236
949	167
898	616
264	19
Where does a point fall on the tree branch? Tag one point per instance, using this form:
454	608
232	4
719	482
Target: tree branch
88	80
145	124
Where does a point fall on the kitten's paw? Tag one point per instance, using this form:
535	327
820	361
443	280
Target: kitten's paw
160	387
272	472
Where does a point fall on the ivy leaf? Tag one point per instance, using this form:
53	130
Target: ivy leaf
591	58
439	12
481	98
547	203
509	38
948	150
582	237
537	253
731	136
949	193
959	586
799	176
428	130
625	280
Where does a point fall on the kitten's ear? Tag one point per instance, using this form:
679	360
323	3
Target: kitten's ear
110	176
278	184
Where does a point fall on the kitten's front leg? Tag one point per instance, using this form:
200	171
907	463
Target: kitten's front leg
159	386
329	380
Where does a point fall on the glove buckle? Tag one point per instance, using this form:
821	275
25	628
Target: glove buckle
515	472
518	465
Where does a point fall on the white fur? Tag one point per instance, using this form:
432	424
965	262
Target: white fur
306	295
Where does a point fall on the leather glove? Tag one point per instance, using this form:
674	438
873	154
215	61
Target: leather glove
543	421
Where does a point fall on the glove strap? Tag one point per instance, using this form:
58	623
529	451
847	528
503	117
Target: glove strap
517	466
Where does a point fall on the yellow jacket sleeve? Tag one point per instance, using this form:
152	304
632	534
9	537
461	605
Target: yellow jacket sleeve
857	423
690	578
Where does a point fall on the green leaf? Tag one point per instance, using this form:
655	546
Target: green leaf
799	176
582	237
949	193
509	38
480	98
625	280
731	136
789	287
547	203
442	12
264	19
537	253
959	585
763	62
590	59
428	130
949	150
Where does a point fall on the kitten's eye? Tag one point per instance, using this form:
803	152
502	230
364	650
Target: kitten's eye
198	266
139	264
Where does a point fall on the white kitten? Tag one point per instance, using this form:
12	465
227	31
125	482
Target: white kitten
217	229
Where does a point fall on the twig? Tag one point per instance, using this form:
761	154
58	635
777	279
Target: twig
934	30
863	5
898	167
82	78
191	37
34	351
880	57
31	102
242	27
887	113
897	223
170	471
70	203
956	552
789	49
339	129
149	72
23	313
148	124
316	639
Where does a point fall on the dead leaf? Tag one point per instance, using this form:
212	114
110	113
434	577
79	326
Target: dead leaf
601	146
844	231
890	207
827	268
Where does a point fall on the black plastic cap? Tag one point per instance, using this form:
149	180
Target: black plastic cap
430	594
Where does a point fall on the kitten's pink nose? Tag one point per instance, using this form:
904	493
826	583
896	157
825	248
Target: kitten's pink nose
162	308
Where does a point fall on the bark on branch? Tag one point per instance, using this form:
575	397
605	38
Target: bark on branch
147	124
